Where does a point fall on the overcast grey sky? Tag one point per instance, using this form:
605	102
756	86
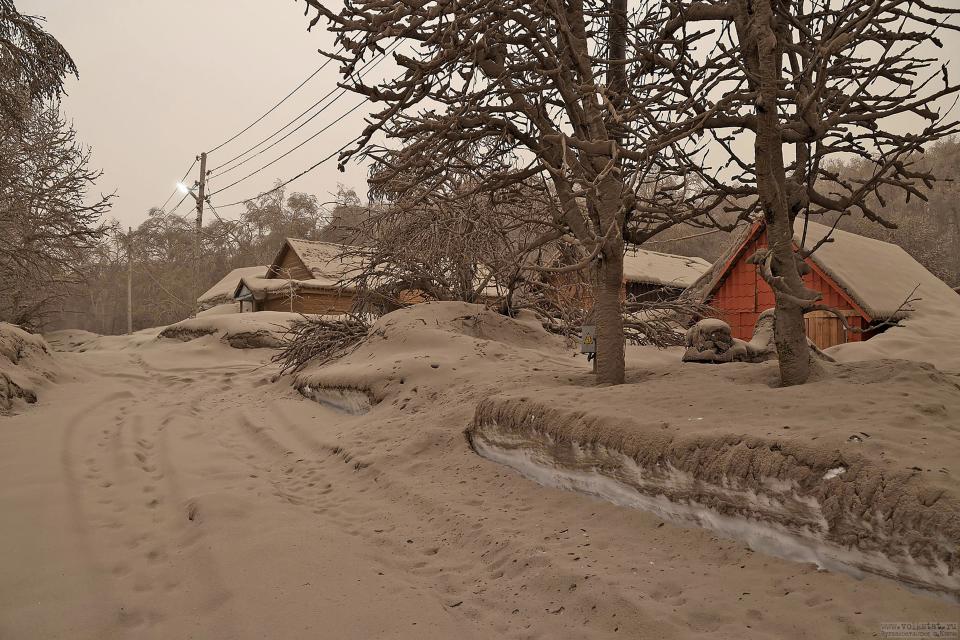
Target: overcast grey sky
161	81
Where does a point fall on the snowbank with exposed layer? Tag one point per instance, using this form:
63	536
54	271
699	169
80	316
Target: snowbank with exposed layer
852	472
26	365
260	329
930	333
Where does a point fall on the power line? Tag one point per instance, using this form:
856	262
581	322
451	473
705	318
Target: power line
366	68
185	174
180	203
296	177
288	152
215	212
147	271
373	62
275	143
273	108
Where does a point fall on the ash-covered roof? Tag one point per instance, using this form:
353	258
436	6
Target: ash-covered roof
664	269
224	289
877	275
325	260
264	287
705	284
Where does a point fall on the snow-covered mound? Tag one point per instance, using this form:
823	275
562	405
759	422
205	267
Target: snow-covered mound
80	341
429	344
261	329
26	364
220	309
852	472
929	333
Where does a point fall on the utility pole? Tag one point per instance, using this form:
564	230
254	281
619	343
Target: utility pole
129	279
198	245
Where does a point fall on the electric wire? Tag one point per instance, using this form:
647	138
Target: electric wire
276	106
289	151
156	281
180	203
273	108
185	174
296	177
278	141
373	62
366	68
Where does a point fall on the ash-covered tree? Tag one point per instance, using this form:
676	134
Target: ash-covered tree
809	83
47	223
541	86
33	64
436	233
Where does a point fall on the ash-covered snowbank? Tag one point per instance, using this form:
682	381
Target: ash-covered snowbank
26	365
263	329
812	483
425	346
344	399
928	334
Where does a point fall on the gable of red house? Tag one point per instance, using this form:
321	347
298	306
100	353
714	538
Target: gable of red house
862	277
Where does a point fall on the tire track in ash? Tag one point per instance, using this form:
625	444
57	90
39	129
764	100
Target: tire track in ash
307	475
293	477
185	571
465	558
469	564
90	490
181	513
132	498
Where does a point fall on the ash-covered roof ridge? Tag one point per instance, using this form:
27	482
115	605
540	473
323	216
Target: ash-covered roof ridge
665	269
877	275
225	287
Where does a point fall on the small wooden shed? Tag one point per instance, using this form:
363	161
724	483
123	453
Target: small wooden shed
306	276
647	276
222	292
652	275
867	279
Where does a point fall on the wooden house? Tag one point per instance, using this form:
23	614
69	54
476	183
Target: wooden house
647	276
867	279
305	277
222	292
651	275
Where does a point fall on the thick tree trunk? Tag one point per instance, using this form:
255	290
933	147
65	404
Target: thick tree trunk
791	340
608	315
789	332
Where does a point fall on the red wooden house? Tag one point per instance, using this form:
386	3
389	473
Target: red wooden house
865	278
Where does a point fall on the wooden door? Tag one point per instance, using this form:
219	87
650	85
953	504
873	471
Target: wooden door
825	329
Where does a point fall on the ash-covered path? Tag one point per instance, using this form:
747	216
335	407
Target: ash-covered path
170	490
166	497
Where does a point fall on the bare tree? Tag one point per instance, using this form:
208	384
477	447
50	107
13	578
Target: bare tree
448	239
32	64
811	81
47	223
539	87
